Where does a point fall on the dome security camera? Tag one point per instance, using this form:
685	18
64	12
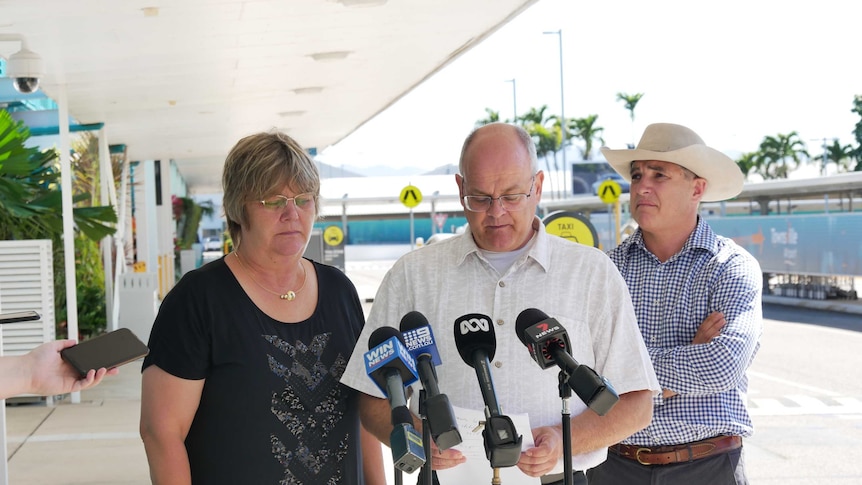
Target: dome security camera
26	69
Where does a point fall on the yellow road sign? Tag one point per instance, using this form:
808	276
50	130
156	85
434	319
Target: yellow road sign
410	196
572	226
333	236
609	191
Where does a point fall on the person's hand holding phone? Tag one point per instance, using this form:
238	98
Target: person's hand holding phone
43	371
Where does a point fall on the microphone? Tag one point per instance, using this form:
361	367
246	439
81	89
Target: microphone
390	366
548	343
438	411
547	340
476	343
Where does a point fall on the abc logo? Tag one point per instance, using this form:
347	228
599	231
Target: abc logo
474	325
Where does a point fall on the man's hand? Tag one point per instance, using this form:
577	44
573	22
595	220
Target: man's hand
442	460
709	328
543	457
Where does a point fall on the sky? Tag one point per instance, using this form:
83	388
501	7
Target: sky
734	71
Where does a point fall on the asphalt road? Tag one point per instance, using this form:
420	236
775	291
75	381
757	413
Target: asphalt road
805	395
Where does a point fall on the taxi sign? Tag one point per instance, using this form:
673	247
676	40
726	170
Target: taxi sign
572	226
609	191
333	236
410	196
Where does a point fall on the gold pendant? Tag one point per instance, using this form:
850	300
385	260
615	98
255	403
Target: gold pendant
289	296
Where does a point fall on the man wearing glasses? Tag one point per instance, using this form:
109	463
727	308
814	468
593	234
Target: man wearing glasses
504	264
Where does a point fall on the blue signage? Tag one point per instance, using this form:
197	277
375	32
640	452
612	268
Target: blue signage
815	244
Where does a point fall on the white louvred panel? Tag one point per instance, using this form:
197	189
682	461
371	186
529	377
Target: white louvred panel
27	283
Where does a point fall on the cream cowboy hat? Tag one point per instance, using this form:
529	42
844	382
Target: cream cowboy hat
677	144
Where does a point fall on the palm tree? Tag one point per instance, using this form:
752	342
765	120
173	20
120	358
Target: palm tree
585	129
31	208
840	155
493	117
546	138
781	154
748	162
630	100
857	132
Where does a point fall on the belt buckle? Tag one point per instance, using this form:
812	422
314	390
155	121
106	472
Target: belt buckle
638	455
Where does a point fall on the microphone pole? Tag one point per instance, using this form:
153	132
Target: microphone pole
549	345
426	441
565	394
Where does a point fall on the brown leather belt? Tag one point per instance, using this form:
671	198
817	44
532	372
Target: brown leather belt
665	455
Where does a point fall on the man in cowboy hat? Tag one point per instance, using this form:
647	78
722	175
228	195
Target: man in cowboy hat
697	298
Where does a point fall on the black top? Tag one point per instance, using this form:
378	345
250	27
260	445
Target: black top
272	410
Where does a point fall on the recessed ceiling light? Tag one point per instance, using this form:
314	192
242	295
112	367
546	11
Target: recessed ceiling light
330	56
286	114
308	90
150	11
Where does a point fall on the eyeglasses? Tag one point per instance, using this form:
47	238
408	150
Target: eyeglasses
279	202
509	202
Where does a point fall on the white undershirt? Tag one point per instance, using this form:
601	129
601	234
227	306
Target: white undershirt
503	261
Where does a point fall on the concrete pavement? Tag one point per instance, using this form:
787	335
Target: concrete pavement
94	442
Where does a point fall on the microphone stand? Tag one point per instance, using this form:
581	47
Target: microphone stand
426	471
565	394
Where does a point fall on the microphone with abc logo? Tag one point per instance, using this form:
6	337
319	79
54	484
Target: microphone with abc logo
476	343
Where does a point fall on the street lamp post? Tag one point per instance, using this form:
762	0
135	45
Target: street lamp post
825	147
559	33
514	100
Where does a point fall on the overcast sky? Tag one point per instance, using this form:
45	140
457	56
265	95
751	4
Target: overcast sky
734	71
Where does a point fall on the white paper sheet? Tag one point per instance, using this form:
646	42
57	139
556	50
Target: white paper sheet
477	470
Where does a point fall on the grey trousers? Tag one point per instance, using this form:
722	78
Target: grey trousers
723	469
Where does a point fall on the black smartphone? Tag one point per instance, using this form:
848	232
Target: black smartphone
110	350
18	317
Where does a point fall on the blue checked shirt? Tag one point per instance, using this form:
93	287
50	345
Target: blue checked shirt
671	299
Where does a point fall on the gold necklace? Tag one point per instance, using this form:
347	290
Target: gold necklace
290	295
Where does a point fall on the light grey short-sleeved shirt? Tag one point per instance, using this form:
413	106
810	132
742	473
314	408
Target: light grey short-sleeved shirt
576	284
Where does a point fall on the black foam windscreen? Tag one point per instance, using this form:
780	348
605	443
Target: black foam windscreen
412	320
397	358
473	332
383	334
528	318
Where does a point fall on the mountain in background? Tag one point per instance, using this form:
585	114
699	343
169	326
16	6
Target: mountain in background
329	171
449	169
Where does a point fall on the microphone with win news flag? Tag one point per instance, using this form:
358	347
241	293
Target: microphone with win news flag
391	367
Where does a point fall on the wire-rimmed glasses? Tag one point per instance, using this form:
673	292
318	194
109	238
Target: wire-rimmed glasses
279	202
509	202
